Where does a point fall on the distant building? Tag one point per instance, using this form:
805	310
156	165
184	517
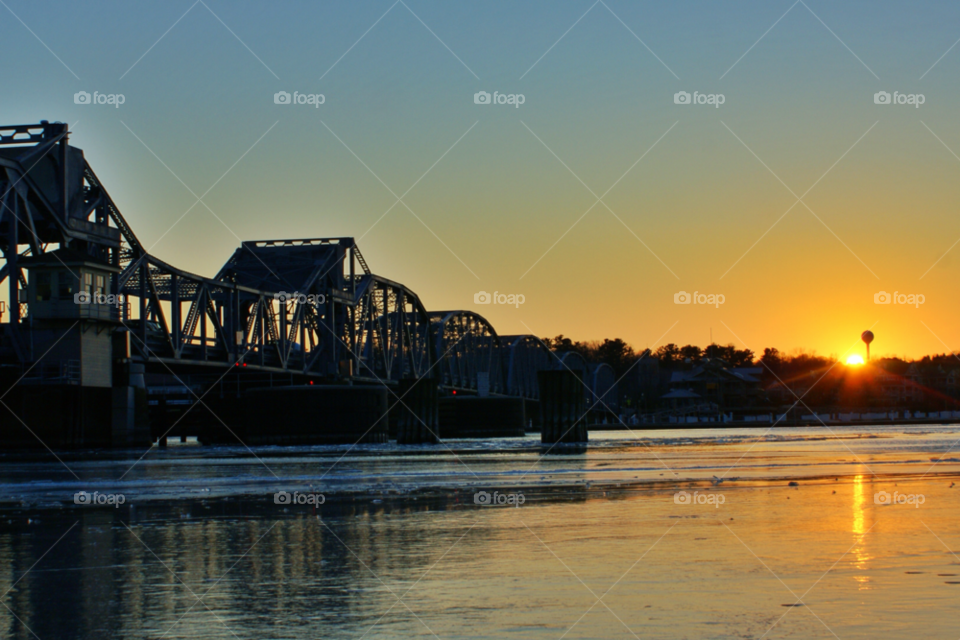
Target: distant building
932	385
712	380
680	399
643	384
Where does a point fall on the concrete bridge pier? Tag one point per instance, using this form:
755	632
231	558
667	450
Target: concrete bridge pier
562	407
320	414
418	414
130	420
482	417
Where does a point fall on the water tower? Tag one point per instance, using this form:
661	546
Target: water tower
867	337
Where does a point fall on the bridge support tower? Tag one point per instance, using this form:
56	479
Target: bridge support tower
562	407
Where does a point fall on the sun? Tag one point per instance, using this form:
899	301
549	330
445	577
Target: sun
854	360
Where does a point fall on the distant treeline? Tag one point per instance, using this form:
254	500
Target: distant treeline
824	384
616	353
620	355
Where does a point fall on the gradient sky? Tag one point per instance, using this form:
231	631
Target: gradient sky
799	108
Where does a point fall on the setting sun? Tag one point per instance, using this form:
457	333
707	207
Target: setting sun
855	360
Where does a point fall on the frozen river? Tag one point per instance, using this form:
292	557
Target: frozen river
748	533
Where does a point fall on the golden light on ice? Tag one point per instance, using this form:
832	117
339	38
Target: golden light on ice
855	360
861	557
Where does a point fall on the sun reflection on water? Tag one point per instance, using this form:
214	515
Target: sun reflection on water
859	551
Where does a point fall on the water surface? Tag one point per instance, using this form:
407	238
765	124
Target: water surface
599	548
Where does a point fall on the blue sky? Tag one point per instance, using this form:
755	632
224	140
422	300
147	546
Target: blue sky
497	191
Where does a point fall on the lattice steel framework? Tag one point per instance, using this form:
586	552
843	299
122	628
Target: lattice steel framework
467	345
307	306
603	394
525	355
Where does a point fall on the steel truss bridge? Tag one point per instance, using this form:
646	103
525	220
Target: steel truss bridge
307	308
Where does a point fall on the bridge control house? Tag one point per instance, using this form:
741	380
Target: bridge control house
68	395
59	346
69	319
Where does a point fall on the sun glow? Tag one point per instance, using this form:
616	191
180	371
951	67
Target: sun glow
855	360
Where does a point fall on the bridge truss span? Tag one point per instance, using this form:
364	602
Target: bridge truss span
469	352
526	355
306	307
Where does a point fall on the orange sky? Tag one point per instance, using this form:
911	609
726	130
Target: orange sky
499	198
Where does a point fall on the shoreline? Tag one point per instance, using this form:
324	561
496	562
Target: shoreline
741	424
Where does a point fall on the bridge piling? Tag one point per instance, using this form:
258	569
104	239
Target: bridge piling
418	414
562	407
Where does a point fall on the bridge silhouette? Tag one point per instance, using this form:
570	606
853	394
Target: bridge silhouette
91	308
